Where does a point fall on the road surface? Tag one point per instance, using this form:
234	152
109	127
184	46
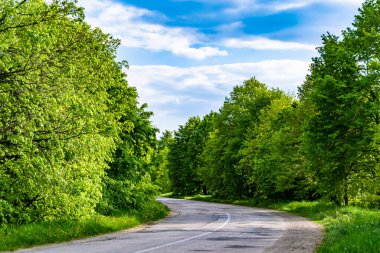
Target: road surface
195	226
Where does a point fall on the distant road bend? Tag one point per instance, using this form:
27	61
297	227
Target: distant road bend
205	227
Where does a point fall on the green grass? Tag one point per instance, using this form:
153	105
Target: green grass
347	229
23	236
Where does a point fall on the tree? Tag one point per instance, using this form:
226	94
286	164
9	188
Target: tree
343	88
184	158
49	133
160	175
221	154
127	183
272	152
64	110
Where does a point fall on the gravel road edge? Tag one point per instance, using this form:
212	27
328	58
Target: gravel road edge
301	235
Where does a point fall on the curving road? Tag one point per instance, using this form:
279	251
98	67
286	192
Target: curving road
197	226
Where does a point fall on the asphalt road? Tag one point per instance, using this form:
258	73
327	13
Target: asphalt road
205	227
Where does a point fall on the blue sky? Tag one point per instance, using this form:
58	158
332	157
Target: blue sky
185	56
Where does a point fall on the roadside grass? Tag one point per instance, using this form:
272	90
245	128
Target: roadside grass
348	229
15	237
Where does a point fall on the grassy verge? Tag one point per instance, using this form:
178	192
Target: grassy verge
347	229
23	236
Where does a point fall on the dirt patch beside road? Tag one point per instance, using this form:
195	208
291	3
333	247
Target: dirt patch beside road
301	236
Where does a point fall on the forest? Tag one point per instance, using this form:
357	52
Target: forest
263	143
76	142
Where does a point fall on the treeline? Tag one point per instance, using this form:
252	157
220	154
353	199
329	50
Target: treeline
264	143
73	138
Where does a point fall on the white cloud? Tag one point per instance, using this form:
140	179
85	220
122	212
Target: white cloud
296	4
127	23
355	2
246	6
286	74
260	43
289	6
231	27
175	93
242	6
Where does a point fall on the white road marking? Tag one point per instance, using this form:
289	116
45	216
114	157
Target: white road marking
188	239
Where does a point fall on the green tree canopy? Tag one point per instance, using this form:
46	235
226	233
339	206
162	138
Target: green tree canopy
221	155
65	108
343	89
184	158
160	174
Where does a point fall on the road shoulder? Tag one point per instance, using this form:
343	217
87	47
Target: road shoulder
301	235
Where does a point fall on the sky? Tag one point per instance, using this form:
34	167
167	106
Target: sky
185	56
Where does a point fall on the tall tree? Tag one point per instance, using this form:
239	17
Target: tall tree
184	158
272	153
343	88
160	174
221	154
127	183
64	106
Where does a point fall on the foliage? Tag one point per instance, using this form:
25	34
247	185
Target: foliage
127	183
221	153
160	174
66	115
272	151
184	156
343	88
50	115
